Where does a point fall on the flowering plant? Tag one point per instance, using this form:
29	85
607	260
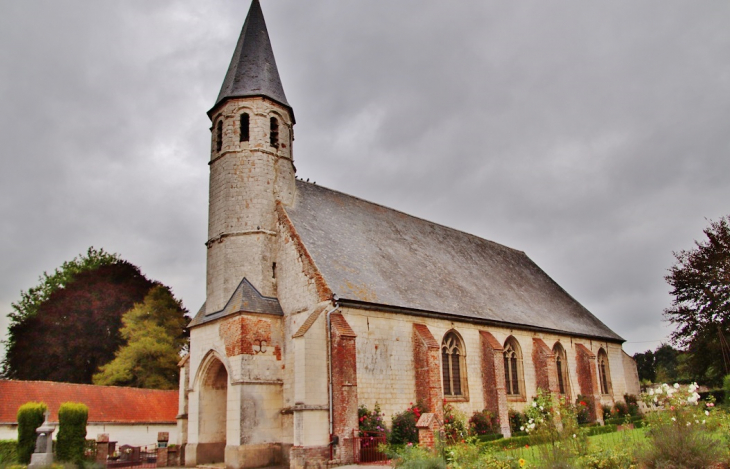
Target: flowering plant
371	421
404	424
679	429
454	427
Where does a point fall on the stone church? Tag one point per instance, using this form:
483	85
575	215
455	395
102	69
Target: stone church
318	301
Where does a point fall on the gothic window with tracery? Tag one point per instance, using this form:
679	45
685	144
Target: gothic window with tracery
453	365
561	363
513	367
219	136
244	127
604	373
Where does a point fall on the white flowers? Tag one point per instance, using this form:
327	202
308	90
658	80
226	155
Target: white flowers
674	419
676	385
707	412
534	403
573	435
522	428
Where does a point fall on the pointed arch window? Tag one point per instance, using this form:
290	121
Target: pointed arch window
561	363
513	379
453	365
274	132
219	136
244	133
604	373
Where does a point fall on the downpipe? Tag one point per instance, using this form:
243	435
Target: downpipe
333	439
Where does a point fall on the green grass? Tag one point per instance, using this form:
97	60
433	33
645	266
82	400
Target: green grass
598	443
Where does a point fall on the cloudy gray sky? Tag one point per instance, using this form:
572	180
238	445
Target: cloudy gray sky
592	135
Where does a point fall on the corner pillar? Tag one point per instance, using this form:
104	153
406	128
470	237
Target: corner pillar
546	371
428	370
344	387
588	380
495	393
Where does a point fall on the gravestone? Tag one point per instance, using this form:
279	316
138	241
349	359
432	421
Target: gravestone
43	455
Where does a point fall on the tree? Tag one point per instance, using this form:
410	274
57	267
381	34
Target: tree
155	335
65	328
645	366
700	281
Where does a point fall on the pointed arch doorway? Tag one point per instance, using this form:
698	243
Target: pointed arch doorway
212	414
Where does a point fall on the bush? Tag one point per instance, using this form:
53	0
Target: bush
413	457
71	440
632	402
30	416
454	427
516	420
404	425
680	435
606	409
483	423
582	409
620	409
8	452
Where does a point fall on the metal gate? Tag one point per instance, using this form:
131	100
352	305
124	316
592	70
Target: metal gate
366	444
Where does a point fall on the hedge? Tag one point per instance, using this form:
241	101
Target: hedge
510	443
489	437
71	440
8	452
30	416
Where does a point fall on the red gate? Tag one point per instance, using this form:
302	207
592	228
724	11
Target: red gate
366	444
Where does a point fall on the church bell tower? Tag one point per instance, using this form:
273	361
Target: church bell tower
251	167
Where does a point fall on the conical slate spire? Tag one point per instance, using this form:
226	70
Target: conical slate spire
253	71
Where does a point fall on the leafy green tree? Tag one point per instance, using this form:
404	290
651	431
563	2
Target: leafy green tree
155	335
700	281
645	366
68	326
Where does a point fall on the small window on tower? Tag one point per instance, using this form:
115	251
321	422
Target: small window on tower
244	127
274	132
219	136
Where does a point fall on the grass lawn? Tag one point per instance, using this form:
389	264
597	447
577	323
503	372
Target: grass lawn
607	442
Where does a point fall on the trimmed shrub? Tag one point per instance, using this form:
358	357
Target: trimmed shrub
30	417
510	443
8	452
489	437
600	430
71	440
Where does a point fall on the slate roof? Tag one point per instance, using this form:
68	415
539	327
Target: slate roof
374	255
107	404
247	299
253	71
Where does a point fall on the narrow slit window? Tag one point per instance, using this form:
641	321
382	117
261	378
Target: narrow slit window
219	136
244	127
274	132
561	365
604	374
